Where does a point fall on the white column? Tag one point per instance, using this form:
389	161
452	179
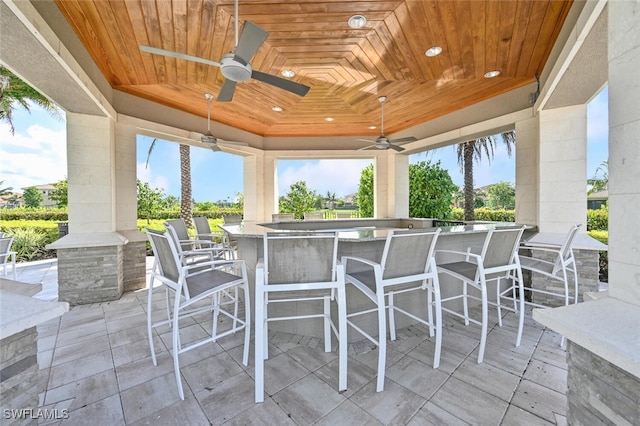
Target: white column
381	187
126	175
624	151
562	171
91	166
259	188
399	185
391	185
527	163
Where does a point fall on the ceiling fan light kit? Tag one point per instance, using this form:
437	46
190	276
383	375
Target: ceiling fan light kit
233	70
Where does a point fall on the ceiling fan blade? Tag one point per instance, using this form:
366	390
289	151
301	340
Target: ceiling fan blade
366	140
396	147
291	86
250	41
366	147
404	140
177	55
226	91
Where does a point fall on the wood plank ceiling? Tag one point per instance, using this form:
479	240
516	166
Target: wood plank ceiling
347	69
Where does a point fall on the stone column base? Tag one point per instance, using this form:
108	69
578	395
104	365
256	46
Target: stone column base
588	269
135	266
90	274
599	392
19	384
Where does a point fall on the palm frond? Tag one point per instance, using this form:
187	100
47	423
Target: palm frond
153	144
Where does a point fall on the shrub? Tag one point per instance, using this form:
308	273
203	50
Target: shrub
29	243
58	215
603	258
598	220
482	214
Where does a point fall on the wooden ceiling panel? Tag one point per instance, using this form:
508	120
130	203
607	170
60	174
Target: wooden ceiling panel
346	69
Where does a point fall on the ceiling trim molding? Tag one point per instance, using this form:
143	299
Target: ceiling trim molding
45	36
571	47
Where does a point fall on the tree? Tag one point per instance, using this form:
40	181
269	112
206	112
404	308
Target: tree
331	200
431	191
471	151
61	193
32	197
501	196
239	200
15	92
299	200
171	202
185	184
365	192
185	181
600	180
149	200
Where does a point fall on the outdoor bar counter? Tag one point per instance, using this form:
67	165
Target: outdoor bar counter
362	238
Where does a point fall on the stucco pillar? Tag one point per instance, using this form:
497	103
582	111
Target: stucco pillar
527	163
90	257
562	168
603	358
391	185
259	188
624	151
126	206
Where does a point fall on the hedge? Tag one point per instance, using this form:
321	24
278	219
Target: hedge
56	215
500	215
597	220
61	215
603	237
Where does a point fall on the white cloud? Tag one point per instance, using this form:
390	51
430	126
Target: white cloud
339	176
34	157
145	174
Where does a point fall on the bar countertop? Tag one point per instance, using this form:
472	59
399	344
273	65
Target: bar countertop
356	229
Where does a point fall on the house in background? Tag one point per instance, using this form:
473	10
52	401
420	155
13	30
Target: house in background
11	201
597	199
46	191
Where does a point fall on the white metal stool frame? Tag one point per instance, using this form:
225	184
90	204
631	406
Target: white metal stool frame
271	277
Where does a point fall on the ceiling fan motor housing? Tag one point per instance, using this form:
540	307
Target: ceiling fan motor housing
234	70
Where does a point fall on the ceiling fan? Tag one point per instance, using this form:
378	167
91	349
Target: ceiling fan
208	139
236	66
383	142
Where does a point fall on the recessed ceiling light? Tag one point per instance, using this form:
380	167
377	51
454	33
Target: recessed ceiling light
357	21
372	127
288	73
329	119
492	74
433	51
277	109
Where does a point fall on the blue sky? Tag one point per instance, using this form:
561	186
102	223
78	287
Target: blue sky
36	155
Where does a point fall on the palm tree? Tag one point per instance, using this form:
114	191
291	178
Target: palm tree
185	180
15	92
331	199
472	150
185	184
600	180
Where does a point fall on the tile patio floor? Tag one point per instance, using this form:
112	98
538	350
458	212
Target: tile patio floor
95	362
